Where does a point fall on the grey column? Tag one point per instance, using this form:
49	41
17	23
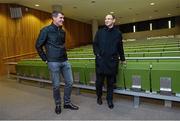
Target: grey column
94	27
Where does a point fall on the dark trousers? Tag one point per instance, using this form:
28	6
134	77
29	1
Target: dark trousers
110	85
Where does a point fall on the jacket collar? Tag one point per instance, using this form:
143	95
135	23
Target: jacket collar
56	27
109	29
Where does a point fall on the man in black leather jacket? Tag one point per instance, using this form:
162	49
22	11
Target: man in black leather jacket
52	37
108	47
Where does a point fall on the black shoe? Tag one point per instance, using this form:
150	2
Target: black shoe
110	104
99	101
58	109
71	106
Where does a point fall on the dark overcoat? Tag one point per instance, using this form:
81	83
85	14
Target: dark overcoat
108	47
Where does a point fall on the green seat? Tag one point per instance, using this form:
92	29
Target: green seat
137	71
152	54
32	68
90	73
23	68
172	49
136	54
40	70
120	77
168	54
169	70
78	70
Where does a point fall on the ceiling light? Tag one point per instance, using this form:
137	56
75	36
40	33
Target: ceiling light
111	12
93	1
36	5
155	10
169	14
152	4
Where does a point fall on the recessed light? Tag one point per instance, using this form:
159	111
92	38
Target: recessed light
169	14
111	12
152	4
36	5
155	10
93	1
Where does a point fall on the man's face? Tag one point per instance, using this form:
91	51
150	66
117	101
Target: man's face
109	21
58	21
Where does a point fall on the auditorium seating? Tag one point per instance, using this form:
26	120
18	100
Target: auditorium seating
145	73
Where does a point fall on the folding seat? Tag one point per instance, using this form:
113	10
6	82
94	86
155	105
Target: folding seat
41	70
78	70
153	54
19	68
165	77
24	67
155	49
172	53
90	73
120	83
172	49
136	54
137	76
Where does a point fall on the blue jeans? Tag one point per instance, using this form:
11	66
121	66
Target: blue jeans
55	69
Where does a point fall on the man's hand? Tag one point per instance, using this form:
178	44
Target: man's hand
46	62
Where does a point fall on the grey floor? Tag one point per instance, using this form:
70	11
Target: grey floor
27	101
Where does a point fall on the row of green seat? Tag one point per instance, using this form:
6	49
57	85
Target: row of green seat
153	49
134	49
148	73
134	54
150	49
145	42
140	44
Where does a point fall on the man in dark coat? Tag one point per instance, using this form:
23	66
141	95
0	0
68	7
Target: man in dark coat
108	47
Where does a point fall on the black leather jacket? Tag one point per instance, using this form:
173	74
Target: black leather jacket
53	39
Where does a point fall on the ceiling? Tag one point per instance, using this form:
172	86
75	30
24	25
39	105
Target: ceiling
126	11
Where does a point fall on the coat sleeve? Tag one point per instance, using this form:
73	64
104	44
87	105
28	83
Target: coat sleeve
40	42
121	49
96	45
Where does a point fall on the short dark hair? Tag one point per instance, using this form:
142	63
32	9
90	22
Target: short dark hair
55	13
